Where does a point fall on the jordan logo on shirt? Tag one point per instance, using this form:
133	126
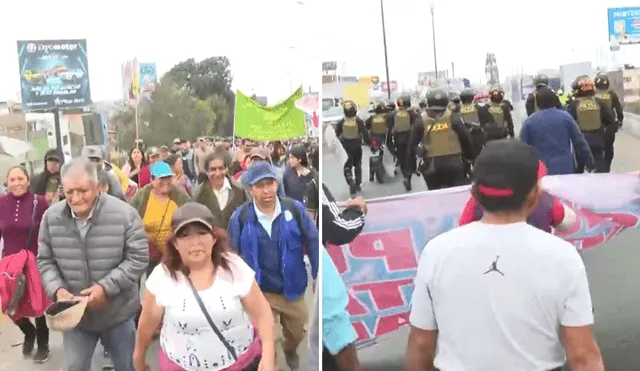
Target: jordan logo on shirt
494	267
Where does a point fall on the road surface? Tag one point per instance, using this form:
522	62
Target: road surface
612	268
11	358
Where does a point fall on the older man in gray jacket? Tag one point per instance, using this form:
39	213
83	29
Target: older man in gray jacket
94	245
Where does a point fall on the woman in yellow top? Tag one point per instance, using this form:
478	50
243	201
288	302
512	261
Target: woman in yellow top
156	203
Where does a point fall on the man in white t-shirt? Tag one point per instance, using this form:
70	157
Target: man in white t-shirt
499	294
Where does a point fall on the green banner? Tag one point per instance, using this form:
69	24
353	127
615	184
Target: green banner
255	121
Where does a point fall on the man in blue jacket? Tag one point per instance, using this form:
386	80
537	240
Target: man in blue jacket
554	134
270	233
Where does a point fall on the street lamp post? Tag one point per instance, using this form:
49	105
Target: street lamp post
433	33
384	43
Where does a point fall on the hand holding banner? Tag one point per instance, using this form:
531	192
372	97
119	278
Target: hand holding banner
379	266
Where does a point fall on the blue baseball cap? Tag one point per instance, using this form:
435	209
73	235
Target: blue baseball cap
161	170
259	171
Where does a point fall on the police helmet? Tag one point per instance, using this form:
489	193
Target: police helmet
467	95
583	85
437	99
379	107
349	108
496	94
391	105
602	81
541	80
422	104
403	101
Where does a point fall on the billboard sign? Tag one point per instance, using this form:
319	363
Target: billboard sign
392	84
54	74
329	66
148	78
624	25
370	80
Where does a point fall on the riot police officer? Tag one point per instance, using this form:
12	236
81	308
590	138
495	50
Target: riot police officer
400	126
501	124
592	116
612	100
444	139
539	81
454	103
378	124
351	131
470	111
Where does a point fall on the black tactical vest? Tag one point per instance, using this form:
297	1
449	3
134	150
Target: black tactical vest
469	113
401	121
588	112
439	137
605	96
350	129
497	111
378	124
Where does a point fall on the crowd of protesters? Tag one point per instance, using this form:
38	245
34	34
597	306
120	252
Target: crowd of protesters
203	245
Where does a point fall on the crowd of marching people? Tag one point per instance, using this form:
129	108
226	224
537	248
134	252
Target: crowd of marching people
203	246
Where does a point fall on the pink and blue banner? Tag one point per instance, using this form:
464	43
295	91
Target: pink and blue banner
379	266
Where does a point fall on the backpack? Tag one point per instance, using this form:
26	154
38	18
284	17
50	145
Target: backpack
287	204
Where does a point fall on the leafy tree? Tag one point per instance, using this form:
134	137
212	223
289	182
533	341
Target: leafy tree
175	113
124	121
192	99
206	79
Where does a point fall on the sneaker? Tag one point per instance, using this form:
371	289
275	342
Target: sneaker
42	355
293	360
28	345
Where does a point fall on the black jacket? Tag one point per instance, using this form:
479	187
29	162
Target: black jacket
339	227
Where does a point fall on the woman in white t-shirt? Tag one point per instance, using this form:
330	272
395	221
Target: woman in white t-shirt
197	259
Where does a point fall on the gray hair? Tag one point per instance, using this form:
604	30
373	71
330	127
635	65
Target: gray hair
78	167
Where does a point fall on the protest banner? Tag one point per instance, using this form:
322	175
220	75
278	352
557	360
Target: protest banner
281	121
379	266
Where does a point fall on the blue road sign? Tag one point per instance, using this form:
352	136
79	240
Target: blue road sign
624	25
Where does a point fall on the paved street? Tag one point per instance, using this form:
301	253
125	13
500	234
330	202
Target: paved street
11	352
612	267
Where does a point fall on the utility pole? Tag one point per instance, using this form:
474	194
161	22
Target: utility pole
433	32
384	43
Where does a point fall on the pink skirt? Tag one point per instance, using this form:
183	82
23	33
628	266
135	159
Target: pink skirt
244	360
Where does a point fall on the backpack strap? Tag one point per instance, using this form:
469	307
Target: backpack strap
289	204
243	214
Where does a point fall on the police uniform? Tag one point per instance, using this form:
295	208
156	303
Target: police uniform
440	141
377	124
351	131
402	120
611	99
531	105
592	116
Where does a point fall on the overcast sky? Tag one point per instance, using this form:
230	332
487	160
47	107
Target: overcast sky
256	35
528	35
